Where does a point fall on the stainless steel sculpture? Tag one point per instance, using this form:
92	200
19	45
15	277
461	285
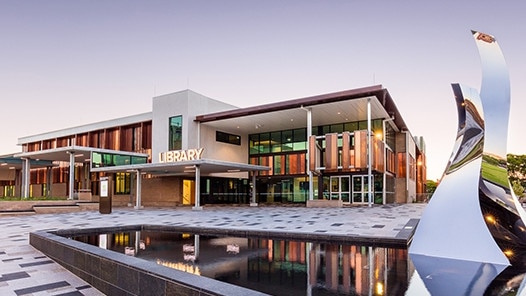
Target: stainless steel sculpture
473	214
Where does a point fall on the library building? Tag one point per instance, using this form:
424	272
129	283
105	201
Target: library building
343	148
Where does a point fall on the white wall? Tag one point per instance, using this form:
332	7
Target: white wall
189	104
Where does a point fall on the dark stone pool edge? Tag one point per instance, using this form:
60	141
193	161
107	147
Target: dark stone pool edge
118	274
113	273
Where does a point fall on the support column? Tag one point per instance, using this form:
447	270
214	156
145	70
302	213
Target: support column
197	206
49	181
87	172
138	178
369	155
309	134
25	177
253	202
196	246
71	175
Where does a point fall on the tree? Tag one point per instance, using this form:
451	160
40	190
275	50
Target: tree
517	188
517	173
431	186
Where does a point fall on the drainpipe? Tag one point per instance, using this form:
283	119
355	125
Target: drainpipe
406	165
71	194
369	155
309	133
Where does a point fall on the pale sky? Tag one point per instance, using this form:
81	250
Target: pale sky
66	63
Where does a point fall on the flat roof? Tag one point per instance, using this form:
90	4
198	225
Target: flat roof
186	168
82	153
337	107
12	162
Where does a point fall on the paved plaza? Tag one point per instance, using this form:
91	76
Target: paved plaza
26	271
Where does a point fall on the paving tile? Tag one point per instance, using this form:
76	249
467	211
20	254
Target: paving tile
18	258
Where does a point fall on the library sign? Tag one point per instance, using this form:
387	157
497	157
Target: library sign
181	155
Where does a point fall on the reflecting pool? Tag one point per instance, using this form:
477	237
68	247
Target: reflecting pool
295	267
272	266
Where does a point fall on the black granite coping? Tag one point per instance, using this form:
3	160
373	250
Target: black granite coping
401	240
117	274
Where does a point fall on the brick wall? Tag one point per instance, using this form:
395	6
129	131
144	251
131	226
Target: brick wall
166	191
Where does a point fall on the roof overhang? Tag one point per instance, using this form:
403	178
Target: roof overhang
338	107
81	153
10	162
185	168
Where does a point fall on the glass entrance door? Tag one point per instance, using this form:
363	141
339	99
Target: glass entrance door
340	188
360	189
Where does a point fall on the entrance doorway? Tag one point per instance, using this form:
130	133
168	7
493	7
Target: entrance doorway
350	189
340	188
188	192
360	189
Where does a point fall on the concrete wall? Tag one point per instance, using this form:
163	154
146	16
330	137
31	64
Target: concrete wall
400	181
411	188
405	187
188	104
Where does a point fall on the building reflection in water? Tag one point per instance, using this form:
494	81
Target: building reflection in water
277	267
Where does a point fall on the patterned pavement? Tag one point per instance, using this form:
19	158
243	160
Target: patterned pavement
26	271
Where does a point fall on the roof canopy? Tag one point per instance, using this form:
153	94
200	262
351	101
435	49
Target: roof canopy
338	107
207	166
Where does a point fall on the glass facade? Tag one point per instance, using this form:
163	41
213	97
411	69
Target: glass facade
99	159
175	136
122	183
224	191
285	153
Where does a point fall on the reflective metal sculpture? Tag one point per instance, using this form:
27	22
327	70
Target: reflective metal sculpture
473	214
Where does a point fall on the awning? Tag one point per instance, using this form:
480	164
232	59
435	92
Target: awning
207	166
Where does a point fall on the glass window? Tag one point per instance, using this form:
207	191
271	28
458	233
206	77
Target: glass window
228	138
110	159
350	126
279	162
337	128
275	140
401	165
316	130
175	141
362	125
122	183
286	141
264	143
254	144
299	139
266	161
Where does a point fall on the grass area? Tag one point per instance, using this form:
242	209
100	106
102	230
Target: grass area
495	174
18	198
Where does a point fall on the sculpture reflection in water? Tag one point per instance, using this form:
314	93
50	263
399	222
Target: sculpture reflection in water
472	238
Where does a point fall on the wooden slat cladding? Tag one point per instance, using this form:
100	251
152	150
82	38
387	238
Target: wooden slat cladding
313	153
346	151
360	149
331	152
378	155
